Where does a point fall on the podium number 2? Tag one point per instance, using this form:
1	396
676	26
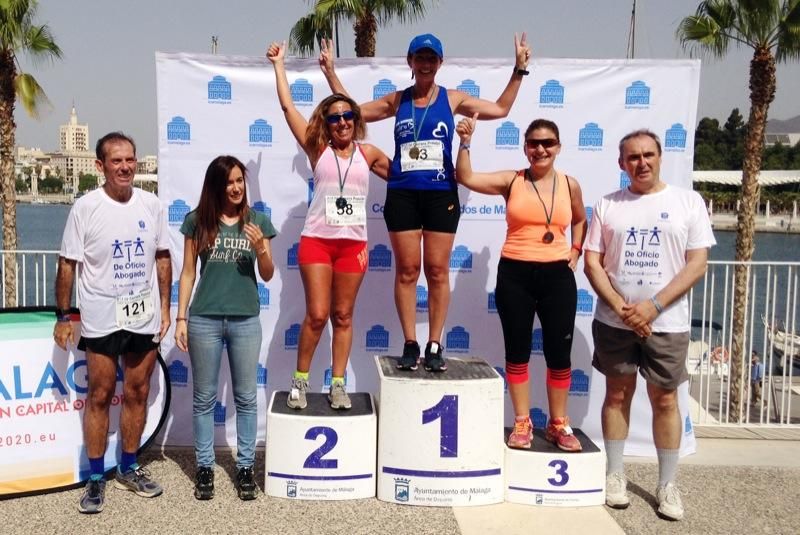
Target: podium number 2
561	472
446	411
315	460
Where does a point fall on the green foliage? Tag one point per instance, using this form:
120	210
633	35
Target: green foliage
87	182
21	185
51	185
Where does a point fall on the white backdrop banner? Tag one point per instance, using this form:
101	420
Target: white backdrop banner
211	105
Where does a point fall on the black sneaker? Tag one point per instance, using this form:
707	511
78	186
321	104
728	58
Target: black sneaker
204	483
434	362
246	483
410	358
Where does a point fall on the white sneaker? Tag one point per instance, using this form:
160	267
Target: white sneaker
669	502
617	491
338	397
297	394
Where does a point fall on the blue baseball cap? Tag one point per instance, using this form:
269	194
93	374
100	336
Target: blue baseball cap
426	40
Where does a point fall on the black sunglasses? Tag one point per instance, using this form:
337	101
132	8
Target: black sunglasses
336	117
547	143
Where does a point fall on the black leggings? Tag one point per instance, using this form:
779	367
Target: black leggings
525	288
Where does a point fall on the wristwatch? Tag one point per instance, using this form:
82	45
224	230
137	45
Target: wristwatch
62	314
521	72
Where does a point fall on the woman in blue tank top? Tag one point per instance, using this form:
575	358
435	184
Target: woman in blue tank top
422	208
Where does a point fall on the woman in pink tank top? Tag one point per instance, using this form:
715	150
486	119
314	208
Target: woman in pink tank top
535	273
333	246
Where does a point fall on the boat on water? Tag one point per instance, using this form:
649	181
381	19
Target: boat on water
783	343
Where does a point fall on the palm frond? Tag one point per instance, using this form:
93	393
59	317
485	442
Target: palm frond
30	94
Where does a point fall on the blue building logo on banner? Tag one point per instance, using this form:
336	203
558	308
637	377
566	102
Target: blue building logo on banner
502	373
173	294
491	305
302	92
585	303
377	338
261	376
538	417
383	88
461	259
263	295
637	95
380	258
261	206
260	133
458	340
178	373
176	212
291	256
551	95
470	88
590	137
579	386
624	180
328	377
506	137
422	299
589	211
687	425
675	138
179	131
537	342
291	336
310	190
219	90
219	414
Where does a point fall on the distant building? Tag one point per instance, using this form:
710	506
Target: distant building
146	165
73	137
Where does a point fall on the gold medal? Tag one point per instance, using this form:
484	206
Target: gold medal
414	153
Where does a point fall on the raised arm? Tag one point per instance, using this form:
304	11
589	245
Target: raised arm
379	163
376	110
297	123
489	183
466	105
578	225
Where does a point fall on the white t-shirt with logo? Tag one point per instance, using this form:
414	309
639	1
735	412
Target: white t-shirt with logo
115	246
644	239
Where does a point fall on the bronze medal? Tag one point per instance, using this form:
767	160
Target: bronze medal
414	153
548	237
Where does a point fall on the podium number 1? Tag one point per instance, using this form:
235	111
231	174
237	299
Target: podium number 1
315	460
446	411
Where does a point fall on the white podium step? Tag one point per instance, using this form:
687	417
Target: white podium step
319	453
439	443
546	475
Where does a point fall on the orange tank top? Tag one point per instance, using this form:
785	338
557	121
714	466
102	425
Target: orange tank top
527	221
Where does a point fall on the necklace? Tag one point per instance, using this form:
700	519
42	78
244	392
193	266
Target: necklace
341	202
414	151
548	236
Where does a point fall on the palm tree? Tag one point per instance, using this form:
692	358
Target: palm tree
18	34
366	15
772	29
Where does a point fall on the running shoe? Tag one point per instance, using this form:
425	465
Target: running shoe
410	358
246	483
522	435
434	362
617	491
560	433
297	395
137	480
93	497
204	483
338	396
670	505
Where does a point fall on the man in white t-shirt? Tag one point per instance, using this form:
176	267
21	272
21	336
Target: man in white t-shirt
116	237
646	247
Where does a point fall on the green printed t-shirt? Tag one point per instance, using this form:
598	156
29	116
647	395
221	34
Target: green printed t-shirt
227	284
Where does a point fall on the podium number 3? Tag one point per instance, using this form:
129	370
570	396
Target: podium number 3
315	460
446	411
561	472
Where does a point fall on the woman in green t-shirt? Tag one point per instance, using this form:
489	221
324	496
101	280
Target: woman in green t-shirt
230	239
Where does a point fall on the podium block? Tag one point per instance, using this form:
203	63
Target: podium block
319	453
545	475
439	443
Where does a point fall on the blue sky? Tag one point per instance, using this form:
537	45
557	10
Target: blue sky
108	68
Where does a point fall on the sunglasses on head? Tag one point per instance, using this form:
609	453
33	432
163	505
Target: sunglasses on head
334	118
547	143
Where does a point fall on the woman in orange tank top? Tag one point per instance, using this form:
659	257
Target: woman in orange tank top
535	273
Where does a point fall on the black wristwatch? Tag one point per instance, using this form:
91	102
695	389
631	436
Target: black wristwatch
62	314
521	72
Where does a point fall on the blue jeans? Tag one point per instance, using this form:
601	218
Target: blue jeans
242	334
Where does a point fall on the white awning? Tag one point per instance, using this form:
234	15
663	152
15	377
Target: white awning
734	178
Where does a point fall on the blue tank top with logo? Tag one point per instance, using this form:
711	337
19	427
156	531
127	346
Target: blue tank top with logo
426	164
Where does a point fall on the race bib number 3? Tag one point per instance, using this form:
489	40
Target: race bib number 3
421	155
134	309
351	212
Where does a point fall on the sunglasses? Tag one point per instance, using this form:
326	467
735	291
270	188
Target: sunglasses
547	143
336	117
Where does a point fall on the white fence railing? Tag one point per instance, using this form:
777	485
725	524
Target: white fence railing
770	330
